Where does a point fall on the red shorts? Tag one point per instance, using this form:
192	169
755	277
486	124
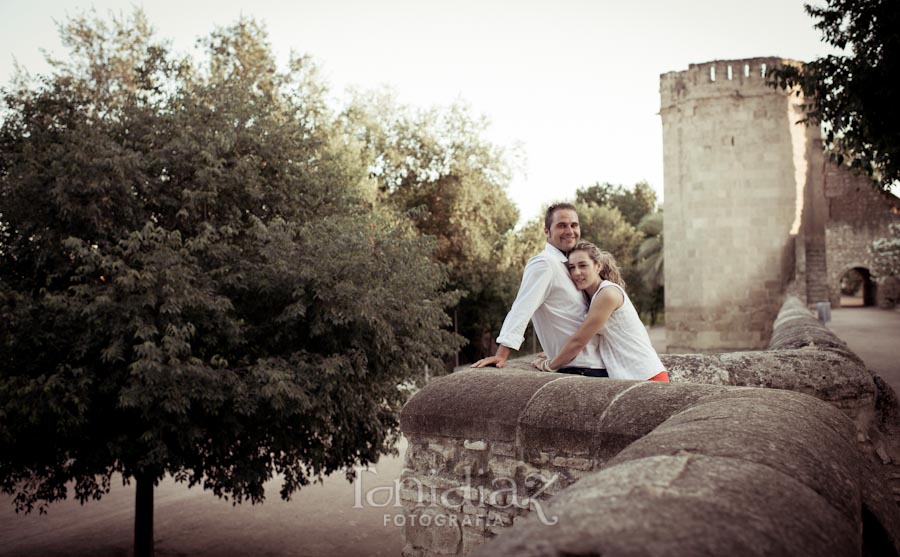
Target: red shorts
662	377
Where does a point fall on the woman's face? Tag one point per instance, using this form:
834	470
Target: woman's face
583	270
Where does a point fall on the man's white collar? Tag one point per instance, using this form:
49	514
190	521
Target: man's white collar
555	251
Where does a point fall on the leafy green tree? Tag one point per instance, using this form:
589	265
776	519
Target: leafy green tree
195	280
886	254
886	266
650	252
607	228
524	244
598	194
650	263
436	166
603	226
634	203
854	94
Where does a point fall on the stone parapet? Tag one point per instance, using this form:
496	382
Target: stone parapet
743	472
804	356
489	447
555	464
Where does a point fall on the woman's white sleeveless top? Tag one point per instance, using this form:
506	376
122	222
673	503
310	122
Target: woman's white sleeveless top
624	342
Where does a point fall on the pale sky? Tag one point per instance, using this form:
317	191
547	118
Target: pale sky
575	83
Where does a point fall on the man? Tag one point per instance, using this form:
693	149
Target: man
548	297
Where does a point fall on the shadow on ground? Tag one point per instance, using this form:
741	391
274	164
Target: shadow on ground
334	518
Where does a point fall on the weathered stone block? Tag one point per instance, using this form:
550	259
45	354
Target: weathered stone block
706	500
429	460
500	497
419	496
434	531
442	449
574	463
410	551
497	529
439	482
474	510
472	538
787	444
469	492
573	426
504	467
451	499
471	466
489	411
499	448
501	516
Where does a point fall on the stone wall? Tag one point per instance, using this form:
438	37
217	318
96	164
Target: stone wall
680	468
805	357
811	271
467	476
858	215
742	472
735	165
489	448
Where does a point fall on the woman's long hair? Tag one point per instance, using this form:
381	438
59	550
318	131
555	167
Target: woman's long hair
609	270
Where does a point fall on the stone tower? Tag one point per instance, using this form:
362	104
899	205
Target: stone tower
736	171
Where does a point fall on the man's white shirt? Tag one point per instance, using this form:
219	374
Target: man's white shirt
548	297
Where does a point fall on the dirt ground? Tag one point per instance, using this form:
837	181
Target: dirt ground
874	335
334	518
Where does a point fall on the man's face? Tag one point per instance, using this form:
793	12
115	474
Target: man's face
564	232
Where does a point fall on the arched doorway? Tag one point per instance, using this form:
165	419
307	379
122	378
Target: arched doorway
857	288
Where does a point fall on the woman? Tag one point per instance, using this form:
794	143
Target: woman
624	344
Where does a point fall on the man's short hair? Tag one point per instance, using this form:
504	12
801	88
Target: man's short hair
548	218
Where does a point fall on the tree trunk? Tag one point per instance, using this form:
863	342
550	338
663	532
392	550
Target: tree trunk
456	330
143	517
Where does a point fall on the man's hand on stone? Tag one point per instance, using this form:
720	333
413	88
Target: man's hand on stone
496	361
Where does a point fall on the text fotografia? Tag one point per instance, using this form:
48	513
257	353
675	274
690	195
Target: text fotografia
442	519
493	504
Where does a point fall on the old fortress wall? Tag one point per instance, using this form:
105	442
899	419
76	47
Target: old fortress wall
856	215
753	208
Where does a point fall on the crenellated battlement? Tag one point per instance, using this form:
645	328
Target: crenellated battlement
718	78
